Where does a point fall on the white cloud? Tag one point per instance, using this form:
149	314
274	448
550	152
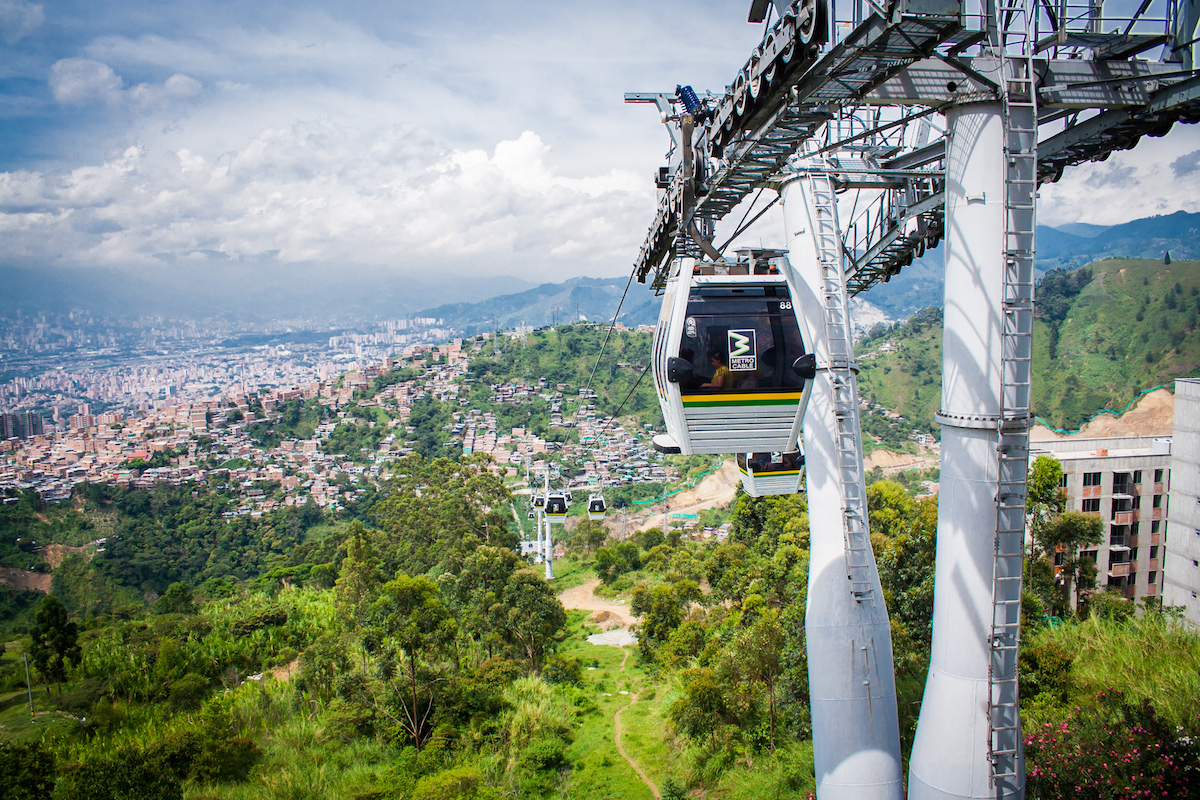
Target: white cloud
316	192
1131	184
77	81
18	19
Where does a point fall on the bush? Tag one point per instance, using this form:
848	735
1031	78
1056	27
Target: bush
464	783
225	760
563	670
188	692
544	754
26	771
130	773
267	618
1114	749
176	752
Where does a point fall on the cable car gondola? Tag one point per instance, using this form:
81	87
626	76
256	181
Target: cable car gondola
556	507
730	367
771	473
539	501
596	507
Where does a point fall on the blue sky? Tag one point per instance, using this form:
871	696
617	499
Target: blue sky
482	137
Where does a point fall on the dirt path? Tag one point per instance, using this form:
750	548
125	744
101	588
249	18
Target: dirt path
633	698
584	597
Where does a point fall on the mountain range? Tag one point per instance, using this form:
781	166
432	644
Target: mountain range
472	304
592	299
917	286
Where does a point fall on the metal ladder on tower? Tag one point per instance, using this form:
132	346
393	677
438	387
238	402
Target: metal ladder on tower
848	442
1019	98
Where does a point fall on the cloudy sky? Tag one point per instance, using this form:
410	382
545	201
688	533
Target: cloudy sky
471	137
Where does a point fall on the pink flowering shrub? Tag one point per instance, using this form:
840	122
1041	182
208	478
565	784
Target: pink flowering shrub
1113	749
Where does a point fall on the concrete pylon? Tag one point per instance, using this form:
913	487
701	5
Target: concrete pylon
852	689
950	756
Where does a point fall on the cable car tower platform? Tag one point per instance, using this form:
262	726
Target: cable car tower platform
940	118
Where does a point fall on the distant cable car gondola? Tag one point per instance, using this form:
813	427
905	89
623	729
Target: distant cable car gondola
533	515
556	508
596	507
770	473
730	368
539	501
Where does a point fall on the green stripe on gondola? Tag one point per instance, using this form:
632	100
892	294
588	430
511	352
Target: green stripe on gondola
725	401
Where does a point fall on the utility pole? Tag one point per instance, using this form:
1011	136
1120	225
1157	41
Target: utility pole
28	685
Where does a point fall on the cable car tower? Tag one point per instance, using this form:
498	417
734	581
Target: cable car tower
942	118
547	508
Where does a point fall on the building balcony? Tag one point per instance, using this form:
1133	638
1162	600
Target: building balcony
1120	569
1125	517
1123	492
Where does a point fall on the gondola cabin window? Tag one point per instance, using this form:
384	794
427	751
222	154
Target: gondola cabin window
740	339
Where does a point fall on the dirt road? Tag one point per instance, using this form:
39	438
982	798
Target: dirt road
584	597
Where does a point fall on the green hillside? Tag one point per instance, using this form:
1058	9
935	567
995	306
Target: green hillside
1103	334
567	355
1132	327
902	370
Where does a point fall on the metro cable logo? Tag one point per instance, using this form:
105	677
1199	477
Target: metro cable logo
742	352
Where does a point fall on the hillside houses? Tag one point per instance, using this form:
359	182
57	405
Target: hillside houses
210	442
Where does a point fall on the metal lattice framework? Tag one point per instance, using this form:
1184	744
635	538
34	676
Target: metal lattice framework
866	87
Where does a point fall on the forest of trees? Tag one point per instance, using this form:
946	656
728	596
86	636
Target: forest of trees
408	653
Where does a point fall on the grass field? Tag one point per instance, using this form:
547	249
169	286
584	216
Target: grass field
598	771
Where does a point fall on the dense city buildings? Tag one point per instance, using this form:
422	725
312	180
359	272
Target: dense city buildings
359	427
52	363
1182	585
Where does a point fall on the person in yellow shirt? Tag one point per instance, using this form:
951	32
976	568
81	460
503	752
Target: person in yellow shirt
720	378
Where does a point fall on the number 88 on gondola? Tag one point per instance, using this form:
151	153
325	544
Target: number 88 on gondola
730	367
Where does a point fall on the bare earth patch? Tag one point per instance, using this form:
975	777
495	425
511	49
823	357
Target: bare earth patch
1153	415
584	597
53	554
26	580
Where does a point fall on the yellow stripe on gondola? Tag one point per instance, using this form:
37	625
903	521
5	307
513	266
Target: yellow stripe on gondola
771	474
735	399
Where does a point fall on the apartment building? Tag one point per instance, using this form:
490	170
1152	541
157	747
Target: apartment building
1183	542
1124	481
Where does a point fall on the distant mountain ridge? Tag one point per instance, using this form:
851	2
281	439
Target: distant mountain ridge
254	291
592	299
920	285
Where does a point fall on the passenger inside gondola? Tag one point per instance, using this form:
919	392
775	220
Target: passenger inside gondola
720	378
